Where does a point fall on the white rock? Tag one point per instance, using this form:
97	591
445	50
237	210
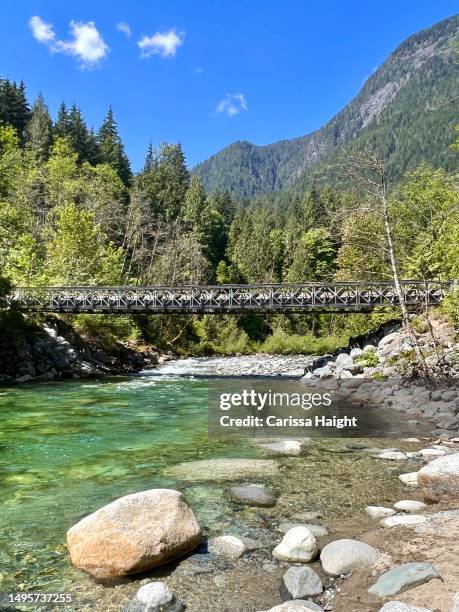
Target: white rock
379	511
388	339
440	478
455	603
297	605
393	456
284	447
432	452
298	546
410	479
369	348
410	505
342	556
400	606
227	546
356	352
404	520
412	440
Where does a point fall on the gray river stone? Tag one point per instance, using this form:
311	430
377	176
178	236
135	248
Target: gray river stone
300	582
154	597
227	546
400	606
218	470
439	479
402	578
254	495
342	556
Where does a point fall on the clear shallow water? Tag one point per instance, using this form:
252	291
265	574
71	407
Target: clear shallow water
66	449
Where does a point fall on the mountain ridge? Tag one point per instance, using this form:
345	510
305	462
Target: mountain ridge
423	62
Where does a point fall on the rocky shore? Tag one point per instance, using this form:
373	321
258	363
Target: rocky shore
402	560
379	373
53	350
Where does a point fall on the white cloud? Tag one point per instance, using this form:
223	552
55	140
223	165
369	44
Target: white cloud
164	44
42	31
86	42
232	104
124	27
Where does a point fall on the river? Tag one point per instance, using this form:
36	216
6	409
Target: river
68	448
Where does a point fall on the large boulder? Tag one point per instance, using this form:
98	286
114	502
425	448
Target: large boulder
342	556
154	597
133	534
298	546
403	577
219	470
439	479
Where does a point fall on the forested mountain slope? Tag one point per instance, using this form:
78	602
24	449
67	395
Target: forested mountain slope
404	109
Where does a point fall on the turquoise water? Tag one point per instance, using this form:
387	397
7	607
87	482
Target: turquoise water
67	449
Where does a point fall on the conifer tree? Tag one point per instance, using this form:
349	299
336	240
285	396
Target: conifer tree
39	129
112	149
14	108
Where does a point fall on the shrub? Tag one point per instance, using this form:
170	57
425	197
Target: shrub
368	360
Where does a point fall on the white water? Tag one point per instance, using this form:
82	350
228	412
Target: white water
242	365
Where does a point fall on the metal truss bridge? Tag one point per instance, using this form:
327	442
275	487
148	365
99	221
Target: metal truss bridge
219	299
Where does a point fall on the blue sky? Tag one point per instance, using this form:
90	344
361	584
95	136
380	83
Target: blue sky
204	73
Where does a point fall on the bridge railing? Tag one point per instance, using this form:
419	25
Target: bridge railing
351	296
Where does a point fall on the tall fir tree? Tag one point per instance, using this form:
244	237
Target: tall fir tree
14	108
112	149
39	132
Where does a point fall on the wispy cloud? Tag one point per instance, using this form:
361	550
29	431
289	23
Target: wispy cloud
164	44
124	27
86	43
232	104
42	31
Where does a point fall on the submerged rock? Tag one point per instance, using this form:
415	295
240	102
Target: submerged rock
342	556
284	447
440	478
228	546
218	470
154	597
254	495
133	534
299	582
402	578
393	456
298	546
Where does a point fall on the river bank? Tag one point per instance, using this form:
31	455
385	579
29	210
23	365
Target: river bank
71	447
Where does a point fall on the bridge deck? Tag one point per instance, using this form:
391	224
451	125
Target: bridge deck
293	297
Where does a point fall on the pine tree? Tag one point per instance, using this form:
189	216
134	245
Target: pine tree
62	125
150	159
112	149
14	108
39	129
173	179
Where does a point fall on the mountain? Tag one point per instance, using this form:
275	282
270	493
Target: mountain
405	109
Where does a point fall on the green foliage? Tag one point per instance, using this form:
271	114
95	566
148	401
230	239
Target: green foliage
291	344
368	360
314	257
451	308
107	331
